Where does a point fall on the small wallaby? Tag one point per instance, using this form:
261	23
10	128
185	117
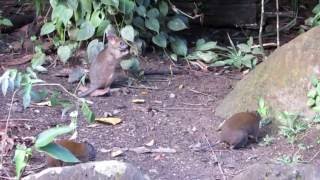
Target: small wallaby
83	151
236	130
103	67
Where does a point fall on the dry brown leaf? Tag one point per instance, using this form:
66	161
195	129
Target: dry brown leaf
140	150
44	103
144	93
150	143
117	152
93	125
109	120
138	101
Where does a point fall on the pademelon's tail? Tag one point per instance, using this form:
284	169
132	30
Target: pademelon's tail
87	92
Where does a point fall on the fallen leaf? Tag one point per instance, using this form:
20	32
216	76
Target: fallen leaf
163	150
93	125
109	120
151	143
45	103
117	152
103	150
181	86
140	150
138	101
6	144
144	93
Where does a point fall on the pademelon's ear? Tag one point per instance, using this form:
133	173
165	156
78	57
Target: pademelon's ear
111	34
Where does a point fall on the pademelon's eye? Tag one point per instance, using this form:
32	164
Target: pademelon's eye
122	44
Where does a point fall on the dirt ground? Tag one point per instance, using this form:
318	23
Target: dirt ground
178	113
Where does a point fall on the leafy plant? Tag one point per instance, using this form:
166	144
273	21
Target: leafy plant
242	55
290	159
20	159
204	51
291	125
78	20
5	21
314	94
263	111
24	82
314	20
267	141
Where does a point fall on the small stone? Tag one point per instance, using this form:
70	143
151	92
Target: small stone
107	114
116	111
37	111
172	95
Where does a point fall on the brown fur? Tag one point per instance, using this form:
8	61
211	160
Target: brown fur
83	151
102	68
237	129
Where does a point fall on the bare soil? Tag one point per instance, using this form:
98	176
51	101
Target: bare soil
178	113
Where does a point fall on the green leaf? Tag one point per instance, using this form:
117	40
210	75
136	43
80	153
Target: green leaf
138	22
47	136
93	49
179	47
59	152
126	6
88	114
73	4
244	48
200	42
141	10
318	89
85	32
131	64
160	40
5	22
316	108
38	59
316	9
127	33
318	101
4	86
153	13
312	93
314	80
47	28
53	3
96	18
207	57
27	95
20	158
114	3
206	46
174	57
176	24
64	53
250	42
311	102
103	25
163	8
218	64
62	13
86	7
152	24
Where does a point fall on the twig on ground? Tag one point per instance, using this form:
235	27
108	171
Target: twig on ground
16	119
278	32
7	123
198	92
215	158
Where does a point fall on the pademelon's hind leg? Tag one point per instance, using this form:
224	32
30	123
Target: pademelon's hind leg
100	92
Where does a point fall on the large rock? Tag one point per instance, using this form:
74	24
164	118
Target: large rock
272	171
282	80
98	170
